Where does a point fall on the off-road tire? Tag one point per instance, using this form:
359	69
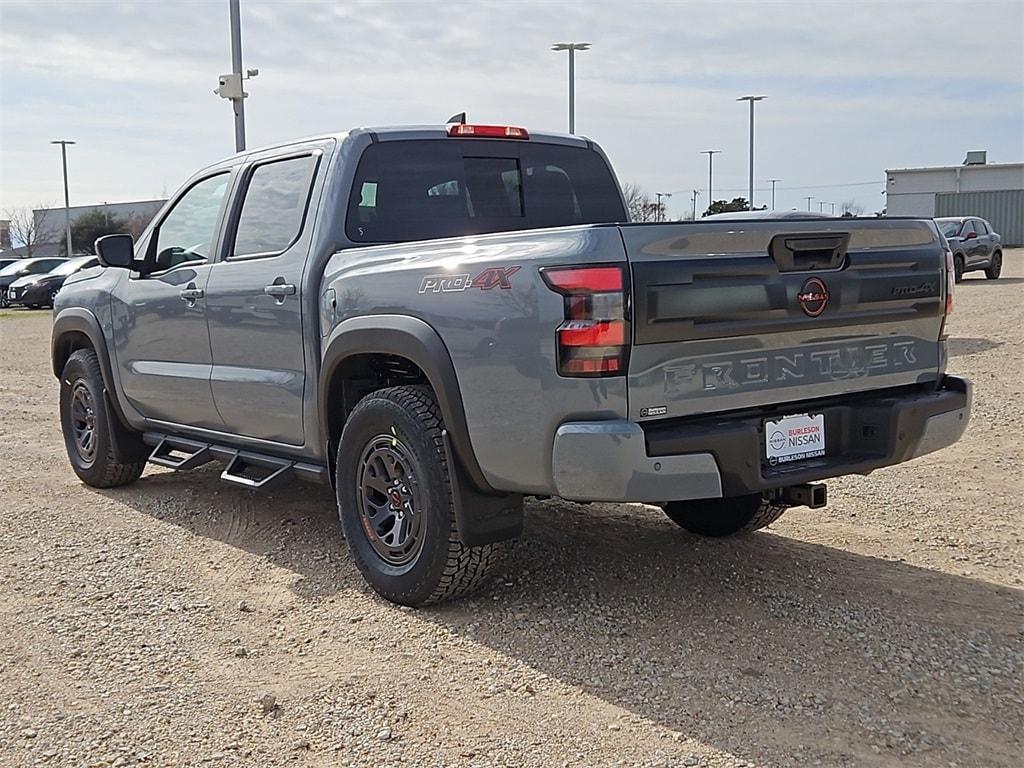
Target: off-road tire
102	467
995	268
724	517
443	567
958	268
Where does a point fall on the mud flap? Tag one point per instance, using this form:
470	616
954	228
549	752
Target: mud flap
128	445
481	518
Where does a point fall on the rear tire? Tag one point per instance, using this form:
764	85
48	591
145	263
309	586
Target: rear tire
84	421
995	268
724	517
958	268
395	502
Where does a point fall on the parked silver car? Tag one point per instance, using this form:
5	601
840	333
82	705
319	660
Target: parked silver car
975	245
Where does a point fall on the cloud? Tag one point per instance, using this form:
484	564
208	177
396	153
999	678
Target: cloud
853	87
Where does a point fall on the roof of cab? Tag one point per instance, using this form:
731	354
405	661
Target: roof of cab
393	133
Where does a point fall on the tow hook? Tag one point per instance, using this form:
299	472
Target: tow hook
813	495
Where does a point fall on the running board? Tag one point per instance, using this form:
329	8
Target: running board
168	453
246	469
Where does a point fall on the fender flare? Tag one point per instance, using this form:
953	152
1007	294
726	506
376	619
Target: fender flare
415	340
78	320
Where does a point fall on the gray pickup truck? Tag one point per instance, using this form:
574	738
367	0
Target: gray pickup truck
440	321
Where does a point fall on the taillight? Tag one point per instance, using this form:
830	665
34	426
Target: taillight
950	280
488	131
950	284
594	338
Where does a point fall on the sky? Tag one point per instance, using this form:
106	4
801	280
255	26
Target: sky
853	88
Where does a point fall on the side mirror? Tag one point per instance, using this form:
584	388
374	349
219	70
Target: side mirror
116	250
970	236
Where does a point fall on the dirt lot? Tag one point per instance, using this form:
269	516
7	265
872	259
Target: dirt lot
183	622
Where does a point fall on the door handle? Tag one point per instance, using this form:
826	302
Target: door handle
280	290
191	293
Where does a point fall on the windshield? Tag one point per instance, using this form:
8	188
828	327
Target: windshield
71	266
949	228
423	189
14	268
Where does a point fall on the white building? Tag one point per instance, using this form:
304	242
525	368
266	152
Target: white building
992	191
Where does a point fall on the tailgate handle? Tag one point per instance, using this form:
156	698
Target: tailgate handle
809	251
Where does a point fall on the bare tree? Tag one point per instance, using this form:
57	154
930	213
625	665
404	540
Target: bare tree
639	204
851	208
27	230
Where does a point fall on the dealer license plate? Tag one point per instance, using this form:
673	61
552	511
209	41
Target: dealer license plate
792	438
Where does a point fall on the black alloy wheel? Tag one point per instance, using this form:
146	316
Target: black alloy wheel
390	507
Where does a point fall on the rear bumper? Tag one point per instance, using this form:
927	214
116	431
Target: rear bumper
723	455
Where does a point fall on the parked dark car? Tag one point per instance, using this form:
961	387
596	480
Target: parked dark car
23	267
975	245
39	290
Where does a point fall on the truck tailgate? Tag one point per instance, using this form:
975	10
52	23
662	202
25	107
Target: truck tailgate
737	314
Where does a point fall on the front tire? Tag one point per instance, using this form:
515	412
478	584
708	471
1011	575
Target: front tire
724	517
395	501
86	425
995	268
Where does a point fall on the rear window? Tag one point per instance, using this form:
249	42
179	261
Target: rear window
420	190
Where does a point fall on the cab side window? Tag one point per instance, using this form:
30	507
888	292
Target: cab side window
187	233
967	229
980	228
275	206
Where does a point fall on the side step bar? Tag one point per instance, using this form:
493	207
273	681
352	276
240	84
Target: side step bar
168	453
247	469
250	470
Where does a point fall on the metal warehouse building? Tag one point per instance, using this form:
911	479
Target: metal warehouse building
992	191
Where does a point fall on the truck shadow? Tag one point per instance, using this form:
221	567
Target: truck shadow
743	644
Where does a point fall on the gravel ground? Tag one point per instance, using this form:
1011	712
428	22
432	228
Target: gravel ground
183	622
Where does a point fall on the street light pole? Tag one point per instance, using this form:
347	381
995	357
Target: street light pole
695	193
833	208
751	99
661	206
773	181
808	199
67	199
236	69
711	154
571	48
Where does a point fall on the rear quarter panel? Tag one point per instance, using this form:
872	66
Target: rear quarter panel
501	338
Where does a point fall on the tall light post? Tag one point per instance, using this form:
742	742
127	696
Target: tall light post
695	193
773	182
751	99
833	208
661	206
808	199
231	85
711	154
571	48
67	199
821	206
